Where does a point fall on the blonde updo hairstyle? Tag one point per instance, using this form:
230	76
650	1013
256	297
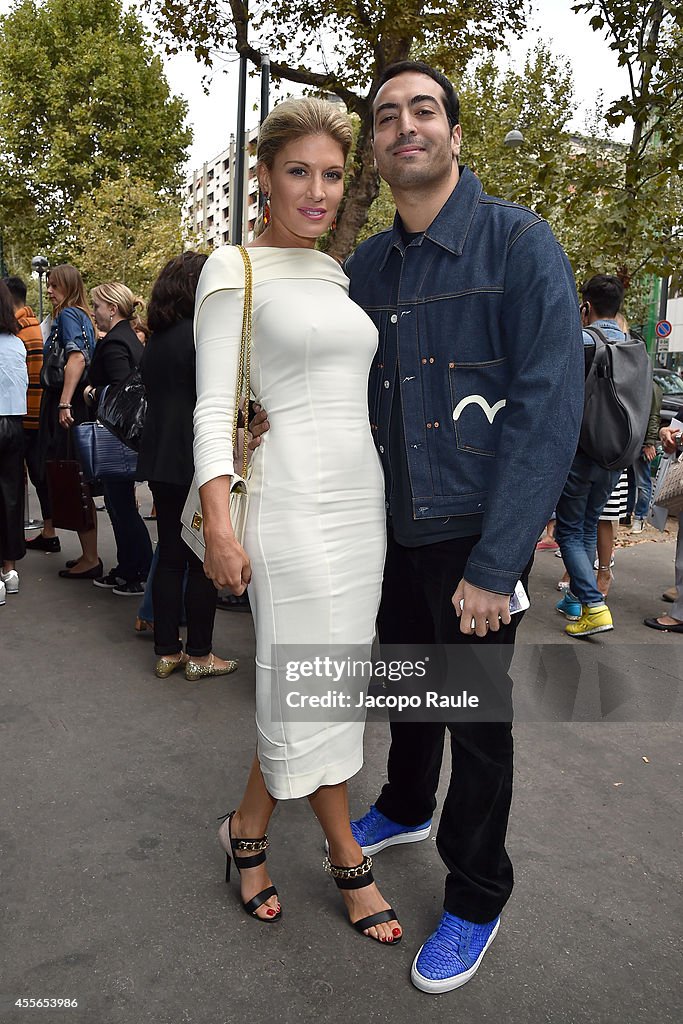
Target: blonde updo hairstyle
116	294
295	119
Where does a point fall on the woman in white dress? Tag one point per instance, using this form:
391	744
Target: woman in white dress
315	542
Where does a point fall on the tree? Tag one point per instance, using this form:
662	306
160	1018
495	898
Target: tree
124	232
538	101
82	97
342	46
637	205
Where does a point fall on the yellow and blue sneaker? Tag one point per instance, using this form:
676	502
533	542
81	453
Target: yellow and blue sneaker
569	606
594	619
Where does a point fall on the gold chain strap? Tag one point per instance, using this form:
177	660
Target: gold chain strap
253	845
242	389
359	871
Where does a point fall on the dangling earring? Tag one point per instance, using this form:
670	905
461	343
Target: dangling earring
266	210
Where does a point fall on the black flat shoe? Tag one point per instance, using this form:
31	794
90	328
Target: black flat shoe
258	847
653	624
89	574
41	543
233	603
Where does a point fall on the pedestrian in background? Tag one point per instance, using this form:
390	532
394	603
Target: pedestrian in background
117	354
63	406
32	337
166	461
13	388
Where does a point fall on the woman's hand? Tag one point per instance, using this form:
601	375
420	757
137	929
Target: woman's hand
227	564
66	419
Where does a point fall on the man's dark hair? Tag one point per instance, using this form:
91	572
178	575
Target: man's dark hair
452	103
17	289
605	294
8	321
174	291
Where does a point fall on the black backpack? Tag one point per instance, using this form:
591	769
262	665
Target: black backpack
617	401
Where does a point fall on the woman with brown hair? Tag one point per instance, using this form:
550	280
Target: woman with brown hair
165	460
315	536
63	405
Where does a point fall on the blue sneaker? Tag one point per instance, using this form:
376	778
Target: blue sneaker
374	832
452	954
569	607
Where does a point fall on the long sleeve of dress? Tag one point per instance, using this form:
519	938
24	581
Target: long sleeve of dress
218	332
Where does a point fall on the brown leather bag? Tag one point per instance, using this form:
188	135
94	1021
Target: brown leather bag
72	506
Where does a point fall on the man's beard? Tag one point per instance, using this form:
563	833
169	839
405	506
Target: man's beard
423	173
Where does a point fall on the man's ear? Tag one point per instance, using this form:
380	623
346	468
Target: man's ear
456	140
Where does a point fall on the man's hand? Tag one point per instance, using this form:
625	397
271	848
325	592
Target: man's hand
649	452
668	438
482	610
258	425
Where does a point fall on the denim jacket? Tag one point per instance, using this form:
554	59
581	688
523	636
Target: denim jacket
490	368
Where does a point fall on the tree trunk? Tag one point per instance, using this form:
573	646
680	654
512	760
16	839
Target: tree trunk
361	193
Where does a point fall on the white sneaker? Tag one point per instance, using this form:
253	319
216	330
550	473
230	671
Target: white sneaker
638	526
10	580
2	592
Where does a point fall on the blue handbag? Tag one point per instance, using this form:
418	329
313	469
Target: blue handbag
102	455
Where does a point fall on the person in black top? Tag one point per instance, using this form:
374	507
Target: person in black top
117	354
166	461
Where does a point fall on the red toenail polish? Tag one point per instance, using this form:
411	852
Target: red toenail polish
390	939
270	913
396	931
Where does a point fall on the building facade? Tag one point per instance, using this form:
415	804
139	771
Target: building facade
207	206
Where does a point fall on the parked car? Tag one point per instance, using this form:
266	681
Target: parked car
672	394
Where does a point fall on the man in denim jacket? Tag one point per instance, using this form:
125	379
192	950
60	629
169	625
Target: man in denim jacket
476	397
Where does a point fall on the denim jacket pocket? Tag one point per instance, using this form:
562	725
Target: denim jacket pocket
478	395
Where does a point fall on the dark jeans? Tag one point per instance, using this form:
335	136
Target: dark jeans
36	471
416	608
12	544
133	544
167	588
578	509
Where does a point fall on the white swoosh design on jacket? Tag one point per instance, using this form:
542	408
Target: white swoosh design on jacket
489	411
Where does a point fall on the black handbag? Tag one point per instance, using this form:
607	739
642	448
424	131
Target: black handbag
54	359
122	409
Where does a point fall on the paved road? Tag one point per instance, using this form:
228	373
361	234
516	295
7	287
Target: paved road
112	879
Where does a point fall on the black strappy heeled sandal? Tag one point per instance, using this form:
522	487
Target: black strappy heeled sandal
258	848
357	878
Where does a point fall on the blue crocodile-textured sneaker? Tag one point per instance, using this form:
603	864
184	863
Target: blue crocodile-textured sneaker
452	954
374	831
570	607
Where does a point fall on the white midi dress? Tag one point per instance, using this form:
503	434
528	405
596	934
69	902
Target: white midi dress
315	533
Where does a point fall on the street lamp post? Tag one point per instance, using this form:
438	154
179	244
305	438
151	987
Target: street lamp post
513	139
39	265
265	106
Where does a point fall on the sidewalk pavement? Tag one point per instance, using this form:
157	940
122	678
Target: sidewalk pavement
112	879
